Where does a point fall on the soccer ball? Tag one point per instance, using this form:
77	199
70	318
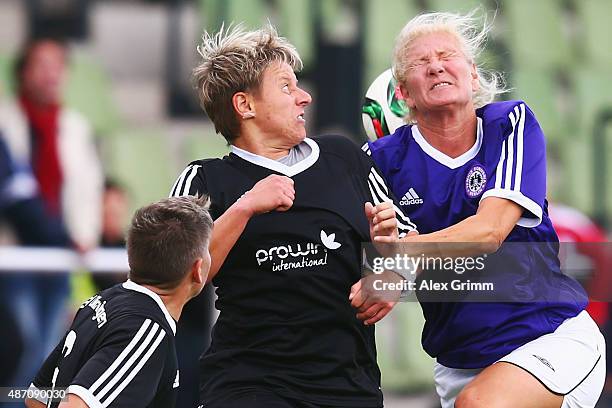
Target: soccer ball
383	110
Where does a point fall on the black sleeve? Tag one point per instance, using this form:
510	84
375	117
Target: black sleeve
44	377
379	192
126	368
190	182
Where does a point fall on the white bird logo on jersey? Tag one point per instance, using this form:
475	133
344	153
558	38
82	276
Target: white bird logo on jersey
329	240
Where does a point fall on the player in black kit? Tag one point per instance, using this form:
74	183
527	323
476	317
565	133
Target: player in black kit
289	220
119	351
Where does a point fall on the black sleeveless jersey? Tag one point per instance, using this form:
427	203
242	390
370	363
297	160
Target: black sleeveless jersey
286	324
119	352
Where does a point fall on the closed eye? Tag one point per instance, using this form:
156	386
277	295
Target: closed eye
418	63
448	55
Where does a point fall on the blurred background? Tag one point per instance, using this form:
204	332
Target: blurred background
128	75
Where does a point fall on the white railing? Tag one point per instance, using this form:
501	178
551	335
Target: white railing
50	260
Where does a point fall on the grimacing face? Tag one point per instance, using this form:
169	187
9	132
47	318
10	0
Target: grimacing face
280	104
439	75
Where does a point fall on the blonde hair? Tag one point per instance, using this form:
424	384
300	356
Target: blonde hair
234	60
472	33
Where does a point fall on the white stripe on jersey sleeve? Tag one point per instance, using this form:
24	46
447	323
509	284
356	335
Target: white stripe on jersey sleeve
382	196
85	395
375	198
381	181
179	181
193	173
510	159
376	181
403	222
136	369
146	344
519	150
500	167
366	148
122	356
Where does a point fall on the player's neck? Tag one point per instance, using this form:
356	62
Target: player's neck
174	305
265	147
450	134
173	299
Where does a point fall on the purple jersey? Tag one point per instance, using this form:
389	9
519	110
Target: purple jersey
436	191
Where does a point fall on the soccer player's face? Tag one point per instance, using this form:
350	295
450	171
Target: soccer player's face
280	104
439	74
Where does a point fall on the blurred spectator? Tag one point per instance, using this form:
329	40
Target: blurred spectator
57	141
22	208
115	215
58	145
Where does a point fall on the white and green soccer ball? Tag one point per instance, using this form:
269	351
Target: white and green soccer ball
383	111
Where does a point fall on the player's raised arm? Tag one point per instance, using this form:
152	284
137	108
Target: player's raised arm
387	223
273	193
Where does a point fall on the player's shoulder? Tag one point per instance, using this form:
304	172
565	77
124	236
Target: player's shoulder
128	306
332	143
504	111
212	166
502	120
202	165
391	151
193	178
339	148
399	138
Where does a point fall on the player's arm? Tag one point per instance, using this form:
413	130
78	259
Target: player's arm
382	199
127	369
514	195
483	232
272	193
386	220
44	377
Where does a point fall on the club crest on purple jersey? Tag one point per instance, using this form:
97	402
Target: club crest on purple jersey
475	181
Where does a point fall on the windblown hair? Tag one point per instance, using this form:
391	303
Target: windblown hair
234	60
471	31
165	239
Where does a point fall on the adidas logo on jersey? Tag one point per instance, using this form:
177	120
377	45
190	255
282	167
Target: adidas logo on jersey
411	197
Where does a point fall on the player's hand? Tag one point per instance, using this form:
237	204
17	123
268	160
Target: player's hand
383	222
372	305
272	193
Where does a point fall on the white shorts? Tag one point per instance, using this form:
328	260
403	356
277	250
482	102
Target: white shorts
571	362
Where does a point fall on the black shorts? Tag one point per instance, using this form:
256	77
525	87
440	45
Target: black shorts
255	399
